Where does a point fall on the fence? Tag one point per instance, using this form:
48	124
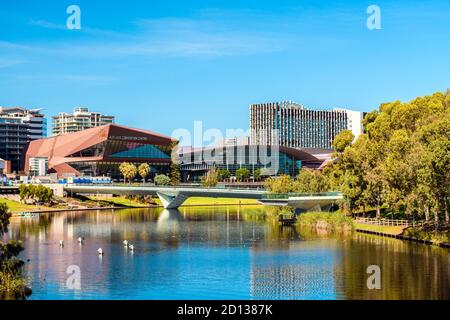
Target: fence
389	222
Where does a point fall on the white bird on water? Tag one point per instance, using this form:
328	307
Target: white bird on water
61	243
80	240
125	243
100	252
131	247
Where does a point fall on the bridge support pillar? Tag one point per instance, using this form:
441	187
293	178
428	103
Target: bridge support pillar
172	200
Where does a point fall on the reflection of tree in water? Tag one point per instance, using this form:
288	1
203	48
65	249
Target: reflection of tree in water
408	270
24	227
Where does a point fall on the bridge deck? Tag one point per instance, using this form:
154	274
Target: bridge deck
173	197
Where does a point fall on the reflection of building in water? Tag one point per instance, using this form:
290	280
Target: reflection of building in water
168	222
307	272
292	282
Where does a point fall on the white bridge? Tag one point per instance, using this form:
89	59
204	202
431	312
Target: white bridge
174	197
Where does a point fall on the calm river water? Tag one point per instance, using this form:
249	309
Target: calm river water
218	253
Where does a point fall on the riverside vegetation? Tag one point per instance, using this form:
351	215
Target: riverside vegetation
398	167
13	284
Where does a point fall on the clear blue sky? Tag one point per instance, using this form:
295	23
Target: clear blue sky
161	65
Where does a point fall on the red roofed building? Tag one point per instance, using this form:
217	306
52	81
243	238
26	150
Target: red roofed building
99	151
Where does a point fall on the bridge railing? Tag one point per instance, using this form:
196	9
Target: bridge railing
281	196
220	188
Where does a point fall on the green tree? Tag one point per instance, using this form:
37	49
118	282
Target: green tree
343	140
242	174
128	170
311	181
144	170
401	161
175	175
211	179
12	282
281	185
162	180
257	174
223	174
24	192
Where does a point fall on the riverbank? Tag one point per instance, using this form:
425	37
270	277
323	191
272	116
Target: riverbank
437	238
194	201
94	203
339	222
326	221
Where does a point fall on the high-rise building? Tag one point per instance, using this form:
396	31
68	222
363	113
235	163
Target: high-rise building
292	125
81	119
38	166
19	126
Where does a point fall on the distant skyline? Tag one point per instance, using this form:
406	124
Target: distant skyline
161	65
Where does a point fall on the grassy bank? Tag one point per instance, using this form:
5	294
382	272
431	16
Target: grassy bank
392	230
335	221
118	201
436	237
194	201
15	206
198	201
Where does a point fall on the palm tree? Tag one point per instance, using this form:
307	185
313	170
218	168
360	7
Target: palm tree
123	169
128	170
144	171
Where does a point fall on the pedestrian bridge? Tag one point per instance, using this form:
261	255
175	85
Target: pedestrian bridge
174	197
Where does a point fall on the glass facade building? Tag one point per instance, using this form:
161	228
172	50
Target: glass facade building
292	125
100	151
271	159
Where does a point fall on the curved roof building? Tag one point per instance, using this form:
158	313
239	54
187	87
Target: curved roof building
99	151
272	160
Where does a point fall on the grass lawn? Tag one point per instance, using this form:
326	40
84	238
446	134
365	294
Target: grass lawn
216	201
394	230
121	201
15	206
194	201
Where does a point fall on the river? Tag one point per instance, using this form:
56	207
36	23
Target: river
218	253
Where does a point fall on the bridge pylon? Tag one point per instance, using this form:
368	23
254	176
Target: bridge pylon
171	200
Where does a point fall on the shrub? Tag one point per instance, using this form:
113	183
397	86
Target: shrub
162	180
211	179
242	174
336	221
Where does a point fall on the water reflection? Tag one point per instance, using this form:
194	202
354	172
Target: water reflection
219	253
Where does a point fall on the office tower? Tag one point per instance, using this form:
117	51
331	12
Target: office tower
19	126
81	119
292	125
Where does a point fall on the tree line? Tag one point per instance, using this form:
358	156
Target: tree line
35	193
214	176
400	162
129	172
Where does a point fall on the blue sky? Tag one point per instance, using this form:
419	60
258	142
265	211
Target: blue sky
161	65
